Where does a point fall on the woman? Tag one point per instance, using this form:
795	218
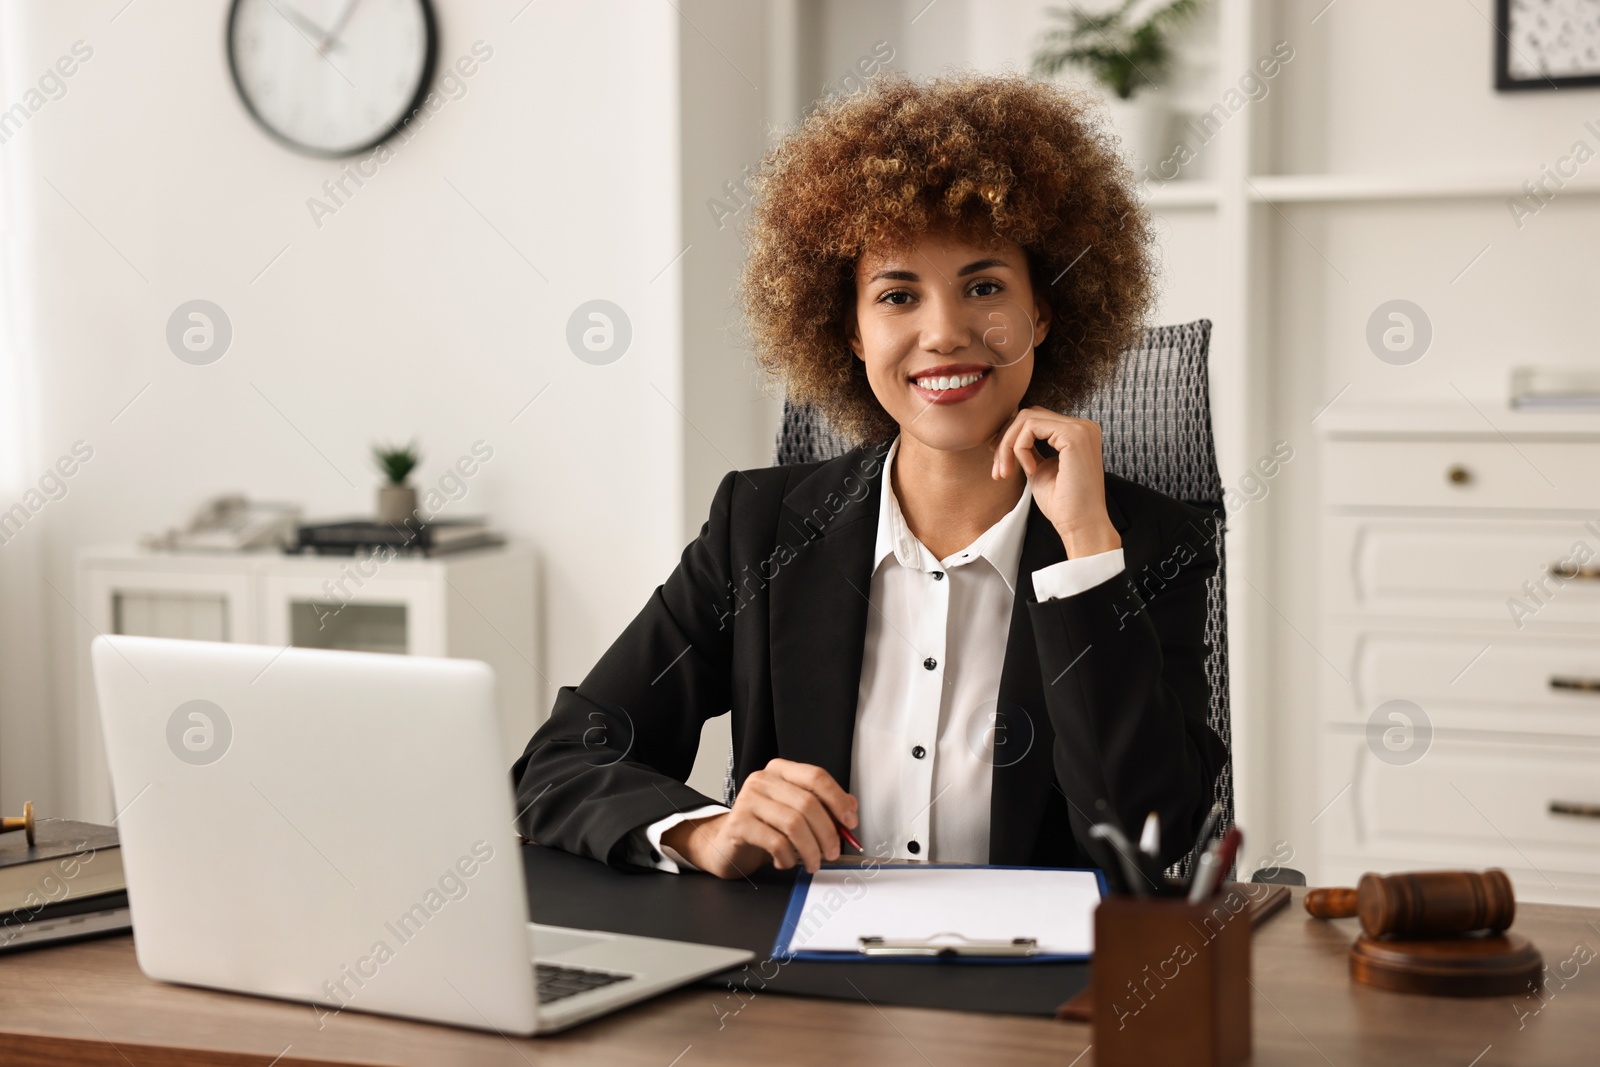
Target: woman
951	640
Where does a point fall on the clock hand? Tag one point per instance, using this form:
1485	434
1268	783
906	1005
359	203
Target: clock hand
301	23
314	45
296	19
331	38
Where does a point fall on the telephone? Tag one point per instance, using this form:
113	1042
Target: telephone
231	523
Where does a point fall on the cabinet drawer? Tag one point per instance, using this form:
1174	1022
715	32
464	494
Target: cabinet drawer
1465	803
1461	474
1522	683
1498	571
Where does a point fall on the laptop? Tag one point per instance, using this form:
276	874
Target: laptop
337	828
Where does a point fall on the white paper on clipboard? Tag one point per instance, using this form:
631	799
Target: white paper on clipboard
843	905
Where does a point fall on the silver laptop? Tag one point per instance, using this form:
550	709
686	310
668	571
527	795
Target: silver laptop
337	828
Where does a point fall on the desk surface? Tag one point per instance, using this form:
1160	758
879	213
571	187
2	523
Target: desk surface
88	1003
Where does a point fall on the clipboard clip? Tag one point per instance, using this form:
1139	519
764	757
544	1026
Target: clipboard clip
948	944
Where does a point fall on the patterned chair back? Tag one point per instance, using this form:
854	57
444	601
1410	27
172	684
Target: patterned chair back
1155	422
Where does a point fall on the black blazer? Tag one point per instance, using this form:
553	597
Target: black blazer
1103	693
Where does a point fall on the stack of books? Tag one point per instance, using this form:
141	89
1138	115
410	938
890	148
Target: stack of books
67	885
413	537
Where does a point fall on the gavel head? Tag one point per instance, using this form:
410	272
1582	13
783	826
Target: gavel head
1435	903
23	823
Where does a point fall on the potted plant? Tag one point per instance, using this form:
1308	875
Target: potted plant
397	501
1129	57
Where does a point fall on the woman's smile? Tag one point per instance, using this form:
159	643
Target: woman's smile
950	383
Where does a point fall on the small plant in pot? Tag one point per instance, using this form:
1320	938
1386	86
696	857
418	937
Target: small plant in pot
1128	50
397	501
1124	54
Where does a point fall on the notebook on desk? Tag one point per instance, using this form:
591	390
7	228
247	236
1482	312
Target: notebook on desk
942	912
63	884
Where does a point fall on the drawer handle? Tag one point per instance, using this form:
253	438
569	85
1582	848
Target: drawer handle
1588	572
1573	808
1458	475
1582	685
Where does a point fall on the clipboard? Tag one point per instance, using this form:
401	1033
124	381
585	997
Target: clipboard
949	946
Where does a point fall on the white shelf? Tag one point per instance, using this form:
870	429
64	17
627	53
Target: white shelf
1337	188
1182	194
1484	417
1352	188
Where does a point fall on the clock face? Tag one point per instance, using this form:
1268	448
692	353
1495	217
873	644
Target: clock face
331	77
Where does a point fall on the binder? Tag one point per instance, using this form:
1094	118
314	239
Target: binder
949	946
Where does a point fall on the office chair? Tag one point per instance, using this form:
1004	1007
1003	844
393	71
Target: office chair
1155	422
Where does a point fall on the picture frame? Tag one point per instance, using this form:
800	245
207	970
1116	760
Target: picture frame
1546	44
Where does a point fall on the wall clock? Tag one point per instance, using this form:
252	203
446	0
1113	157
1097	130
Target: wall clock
331	77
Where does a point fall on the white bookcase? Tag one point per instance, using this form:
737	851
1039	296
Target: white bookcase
1352	181
1377	164
480	605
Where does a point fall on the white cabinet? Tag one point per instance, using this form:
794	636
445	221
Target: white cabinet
480	604
400	613
1461	600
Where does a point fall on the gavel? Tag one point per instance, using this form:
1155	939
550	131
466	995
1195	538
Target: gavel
1422	904
23	823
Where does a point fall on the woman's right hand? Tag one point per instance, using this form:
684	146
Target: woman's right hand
783	813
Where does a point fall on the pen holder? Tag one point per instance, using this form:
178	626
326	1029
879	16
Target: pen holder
1171	981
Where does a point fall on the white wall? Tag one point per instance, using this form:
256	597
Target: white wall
735	91
725	86
406	312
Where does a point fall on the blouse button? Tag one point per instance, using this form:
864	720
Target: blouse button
930	663
913	848
938	576
918	752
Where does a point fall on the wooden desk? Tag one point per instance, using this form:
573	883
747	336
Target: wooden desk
89	1004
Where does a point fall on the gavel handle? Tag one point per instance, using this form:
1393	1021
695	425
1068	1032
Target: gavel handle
1331	903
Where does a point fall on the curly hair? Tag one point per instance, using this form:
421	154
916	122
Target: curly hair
995	156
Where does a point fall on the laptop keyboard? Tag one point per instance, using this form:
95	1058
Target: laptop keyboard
557	983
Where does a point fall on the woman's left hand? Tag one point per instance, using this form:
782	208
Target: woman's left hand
1069	486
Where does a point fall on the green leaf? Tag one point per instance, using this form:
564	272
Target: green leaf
1120	56
397	462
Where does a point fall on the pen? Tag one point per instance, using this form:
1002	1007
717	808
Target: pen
1228	851
1112	870
1209	827
1205	874
849	837
1150	837
1119	843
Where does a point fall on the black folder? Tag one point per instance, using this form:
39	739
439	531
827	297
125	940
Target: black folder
568	890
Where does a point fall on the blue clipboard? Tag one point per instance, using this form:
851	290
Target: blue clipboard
802	887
